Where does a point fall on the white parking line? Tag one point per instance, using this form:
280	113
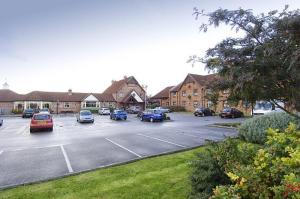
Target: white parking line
162	140
66	159
123	148
22	129
37	147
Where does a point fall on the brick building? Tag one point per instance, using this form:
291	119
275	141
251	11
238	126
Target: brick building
163	97
124	93
127	92
192	92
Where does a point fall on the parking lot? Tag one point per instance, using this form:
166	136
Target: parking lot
74	147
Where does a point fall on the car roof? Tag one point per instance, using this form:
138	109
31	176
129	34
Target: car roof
85	111
42	113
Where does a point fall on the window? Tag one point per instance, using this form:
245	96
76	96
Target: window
46	106
183	103
183	93
195	92
173	94
121	94
174	103
67	105
195	103
167	104
90	104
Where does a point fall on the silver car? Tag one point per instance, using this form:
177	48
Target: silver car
104	111
85	116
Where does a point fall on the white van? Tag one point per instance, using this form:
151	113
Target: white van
265	107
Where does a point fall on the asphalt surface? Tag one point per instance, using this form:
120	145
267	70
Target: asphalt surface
72	147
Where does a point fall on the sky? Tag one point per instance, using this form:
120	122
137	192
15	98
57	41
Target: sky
56	45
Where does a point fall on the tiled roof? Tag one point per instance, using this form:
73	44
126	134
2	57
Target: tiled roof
103	97
117	85
163	93
203	79
55	96
7	95
176	88
10	96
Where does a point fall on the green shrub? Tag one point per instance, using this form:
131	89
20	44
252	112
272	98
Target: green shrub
209	169
254	129
17	111
273	173
177	108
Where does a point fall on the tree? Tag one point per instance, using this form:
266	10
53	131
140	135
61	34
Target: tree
262	65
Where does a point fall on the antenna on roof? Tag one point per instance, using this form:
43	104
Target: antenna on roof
5	85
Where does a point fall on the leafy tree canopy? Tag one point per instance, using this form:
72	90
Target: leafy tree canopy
262	65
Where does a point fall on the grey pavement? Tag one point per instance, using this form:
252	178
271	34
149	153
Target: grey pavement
74	147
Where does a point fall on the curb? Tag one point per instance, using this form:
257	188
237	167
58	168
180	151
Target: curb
224	127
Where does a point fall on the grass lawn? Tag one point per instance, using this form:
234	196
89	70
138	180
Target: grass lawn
158	177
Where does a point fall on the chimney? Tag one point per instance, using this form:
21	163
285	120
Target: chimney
70	92
125	77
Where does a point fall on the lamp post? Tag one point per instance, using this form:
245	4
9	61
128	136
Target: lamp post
145	89
57	103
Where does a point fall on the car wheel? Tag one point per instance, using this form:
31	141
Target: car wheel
31	130
125	118
142	119
151	120
51	129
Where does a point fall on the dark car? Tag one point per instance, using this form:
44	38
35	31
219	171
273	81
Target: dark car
118	115
203	112
231	113
152	115
28	113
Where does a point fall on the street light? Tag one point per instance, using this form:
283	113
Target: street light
145	89
57	103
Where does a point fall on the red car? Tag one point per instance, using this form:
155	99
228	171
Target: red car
41	121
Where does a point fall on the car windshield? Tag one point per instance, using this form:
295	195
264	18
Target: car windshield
157	111
227	110
41	117
44	109
105	109
85	113
29	110
263	106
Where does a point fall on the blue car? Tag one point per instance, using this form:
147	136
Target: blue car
118	115
152	115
